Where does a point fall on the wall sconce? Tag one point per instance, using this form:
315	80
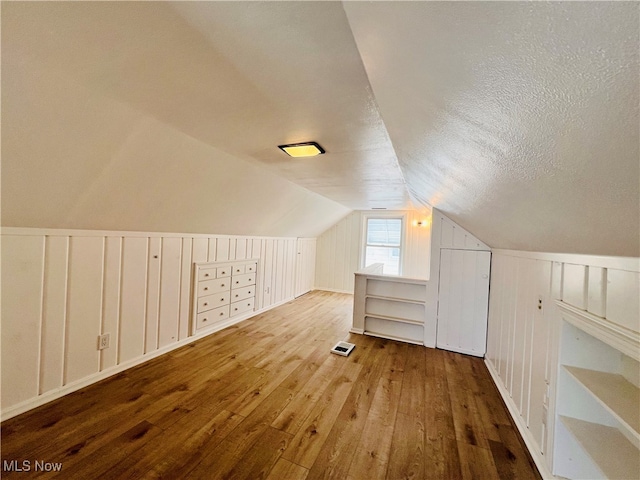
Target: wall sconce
421	223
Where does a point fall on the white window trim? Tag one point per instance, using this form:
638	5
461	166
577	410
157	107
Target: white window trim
386	215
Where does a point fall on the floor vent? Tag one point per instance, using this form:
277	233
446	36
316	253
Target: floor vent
343	348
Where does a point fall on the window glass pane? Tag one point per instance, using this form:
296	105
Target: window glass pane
390	256
384	231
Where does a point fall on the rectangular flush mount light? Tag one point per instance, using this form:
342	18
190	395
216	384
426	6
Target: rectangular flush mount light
307	149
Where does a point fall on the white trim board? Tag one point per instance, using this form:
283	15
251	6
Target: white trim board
631	264
62	232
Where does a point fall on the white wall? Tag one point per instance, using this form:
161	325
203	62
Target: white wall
522	338
75	156
61	289
339	249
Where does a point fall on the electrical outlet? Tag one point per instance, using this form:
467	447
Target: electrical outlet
103	341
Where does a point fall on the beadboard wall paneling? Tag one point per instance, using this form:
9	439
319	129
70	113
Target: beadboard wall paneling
339	249
522	330
62	289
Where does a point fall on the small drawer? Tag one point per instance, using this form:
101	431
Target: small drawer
244	280
238	269
238	294
211	317
223	272
250	268
212	301
213	286
206	274
242	306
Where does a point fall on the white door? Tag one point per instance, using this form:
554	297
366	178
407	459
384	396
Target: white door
463	301
305	265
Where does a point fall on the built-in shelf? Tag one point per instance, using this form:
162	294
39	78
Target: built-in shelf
605	446
393	319
396	299
389	306
598	401
393	337
619	396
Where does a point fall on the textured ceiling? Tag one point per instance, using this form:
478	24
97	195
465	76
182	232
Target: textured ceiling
519	120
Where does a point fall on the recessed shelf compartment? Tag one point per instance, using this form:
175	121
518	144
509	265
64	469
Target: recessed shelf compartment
397	289
393	309
598	401
394	329
605	446
619	396
389	306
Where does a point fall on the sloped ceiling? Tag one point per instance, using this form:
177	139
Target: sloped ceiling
517	120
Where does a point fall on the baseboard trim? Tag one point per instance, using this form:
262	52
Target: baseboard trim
532	447
51	395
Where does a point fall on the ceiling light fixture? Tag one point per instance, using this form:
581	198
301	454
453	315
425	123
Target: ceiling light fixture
306	149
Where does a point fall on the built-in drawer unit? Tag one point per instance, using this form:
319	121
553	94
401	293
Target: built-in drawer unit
212	301
207	287
210	318
243	280
242	306
238	294
223	290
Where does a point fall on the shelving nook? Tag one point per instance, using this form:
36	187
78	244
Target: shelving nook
598	402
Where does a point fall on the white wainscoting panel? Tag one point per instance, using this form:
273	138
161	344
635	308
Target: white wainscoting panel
55	312
133	299
22	277
62	289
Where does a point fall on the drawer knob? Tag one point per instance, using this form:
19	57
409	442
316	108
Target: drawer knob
237	295
204	319
206	274
221	313
205	304
222	285
222	299
206	288
236	308
237	282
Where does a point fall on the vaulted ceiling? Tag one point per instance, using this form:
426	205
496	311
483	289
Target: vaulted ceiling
519	120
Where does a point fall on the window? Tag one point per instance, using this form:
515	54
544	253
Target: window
383	243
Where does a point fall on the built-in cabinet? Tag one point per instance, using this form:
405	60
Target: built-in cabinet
389	307
463	301
598	402
224	293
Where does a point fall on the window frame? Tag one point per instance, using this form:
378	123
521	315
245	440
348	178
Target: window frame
365	230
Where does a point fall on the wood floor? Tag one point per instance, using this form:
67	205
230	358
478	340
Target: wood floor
266	399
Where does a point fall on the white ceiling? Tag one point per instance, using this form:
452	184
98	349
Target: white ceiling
518	120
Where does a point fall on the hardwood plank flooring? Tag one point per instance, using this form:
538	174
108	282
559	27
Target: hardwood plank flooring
266	399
